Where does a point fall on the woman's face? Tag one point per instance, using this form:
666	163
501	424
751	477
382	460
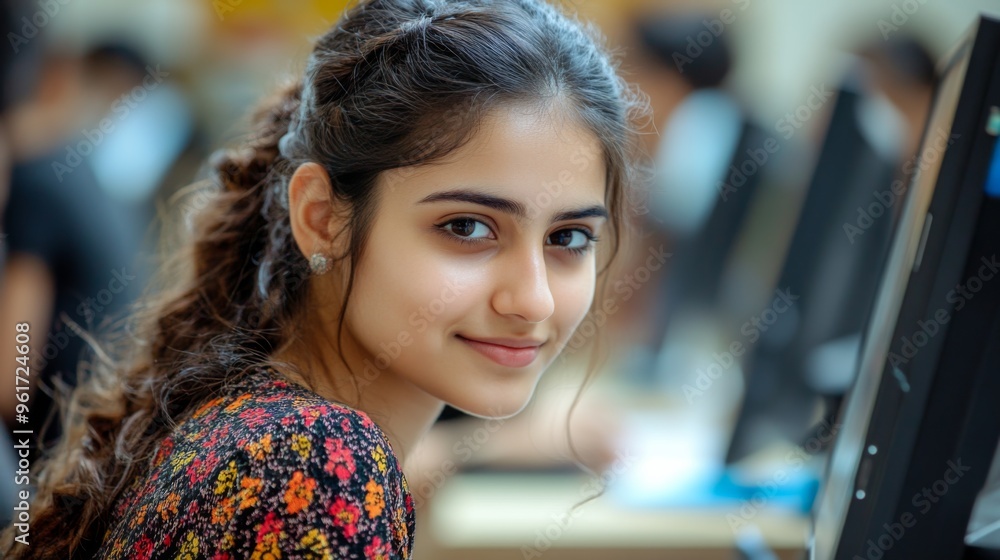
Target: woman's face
491	243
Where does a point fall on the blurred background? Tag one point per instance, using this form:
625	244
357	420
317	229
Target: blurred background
736	316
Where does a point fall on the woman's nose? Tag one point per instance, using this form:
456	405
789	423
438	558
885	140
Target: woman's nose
523	286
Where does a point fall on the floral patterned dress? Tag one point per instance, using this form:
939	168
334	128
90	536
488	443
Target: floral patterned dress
268	469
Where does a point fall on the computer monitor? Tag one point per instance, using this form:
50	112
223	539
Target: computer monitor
919	427
833	274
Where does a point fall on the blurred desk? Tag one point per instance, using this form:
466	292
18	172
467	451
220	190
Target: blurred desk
494	516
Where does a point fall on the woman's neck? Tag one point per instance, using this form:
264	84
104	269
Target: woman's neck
400	409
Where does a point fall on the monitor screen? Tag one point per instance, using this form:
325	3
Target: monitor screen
838	485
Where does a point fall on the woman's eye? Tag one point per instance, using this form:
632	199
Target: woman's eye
572	239
468	228
577	241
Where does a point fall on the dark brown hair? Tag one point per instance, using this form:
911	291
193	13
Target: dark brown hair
394	83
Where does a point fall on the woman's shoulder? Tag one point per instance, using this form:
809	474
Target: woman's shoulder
279	427
269	466
264	403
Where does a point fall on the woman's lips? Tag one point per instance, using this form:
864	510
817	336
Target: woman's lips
503	355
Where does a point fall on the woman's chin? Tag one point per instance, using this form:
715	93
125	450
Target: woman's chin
491	407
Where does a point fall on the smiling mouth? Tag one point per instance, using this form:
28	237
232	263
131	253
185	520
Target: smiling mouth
504	355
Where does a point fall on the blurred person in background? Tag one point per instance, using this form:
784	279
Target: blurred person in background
16	74
19	68
699	120
703	134
73	249
149	124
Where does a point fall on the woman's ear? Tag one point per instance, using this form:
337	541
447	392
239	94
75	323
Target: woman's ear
315	218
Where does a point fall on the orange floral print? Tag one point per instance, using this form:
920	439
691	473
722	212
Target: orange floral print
223	512
238	403
261	448
249	488
374	498
169	506
300	492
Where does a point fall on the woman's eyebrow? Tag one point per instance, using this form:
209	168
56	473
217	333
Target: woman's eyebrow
512	207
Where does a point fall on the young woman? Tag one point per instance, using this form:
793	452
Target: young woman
415	223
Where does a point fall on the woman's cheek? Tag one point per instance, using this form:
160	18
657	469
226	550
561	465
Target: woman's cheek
436	297
573	300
